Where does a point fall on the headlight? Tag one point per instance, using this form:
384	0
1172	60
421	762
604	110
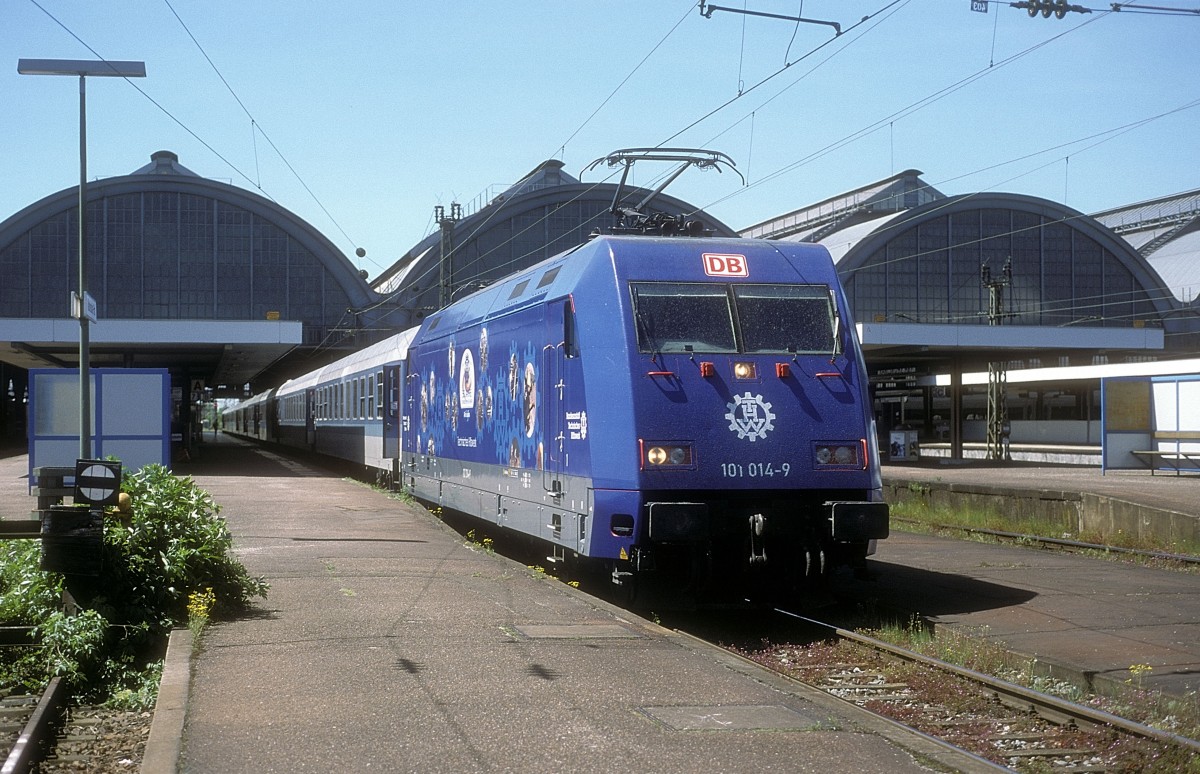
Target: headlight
841	454
744	370
661	455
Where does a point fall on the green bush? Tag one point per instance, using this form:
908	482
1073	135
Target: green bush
172	543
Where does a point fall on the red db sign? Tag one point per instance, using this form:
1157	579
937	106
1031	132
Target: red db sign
722	265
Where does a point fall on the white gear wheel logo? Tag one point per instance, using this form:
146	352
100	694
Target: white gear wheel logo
750	416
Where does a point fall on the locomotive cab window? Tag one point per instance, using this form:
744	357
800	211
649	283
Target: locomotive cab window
784	318
682	317
749	319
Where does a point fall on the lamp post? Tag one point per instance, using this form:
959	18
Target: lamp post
83	68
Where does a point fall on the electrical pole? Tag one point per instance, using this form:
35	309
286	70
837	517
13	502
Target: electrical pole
997	397
445	263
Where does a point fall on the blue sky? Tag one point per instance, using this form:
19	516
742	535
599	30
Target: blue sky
386	109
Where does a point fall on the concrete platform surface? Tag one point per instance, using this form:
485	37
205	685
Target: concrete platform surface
389	644
1086	619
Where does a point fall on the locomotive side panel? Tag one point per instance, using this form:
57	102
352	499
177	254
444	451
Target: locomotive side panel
496	425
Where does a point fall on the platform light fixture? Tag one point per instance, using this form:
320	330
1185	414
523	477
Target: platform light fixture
83	68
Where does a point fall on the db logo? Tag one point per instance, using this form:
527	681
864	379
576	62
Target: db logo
720	265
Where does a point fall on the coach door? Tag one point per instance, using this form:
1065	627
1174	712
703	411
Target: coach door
310	418
391	412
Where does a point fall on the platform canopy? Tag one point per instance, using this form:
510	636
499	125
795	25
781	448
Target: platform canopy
226	351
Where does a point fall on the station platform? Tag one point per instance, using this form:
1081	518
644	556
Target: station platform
1085	619
388	643
1168	491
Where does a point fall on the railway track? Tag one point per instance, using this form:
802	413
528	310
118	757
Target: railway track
42	734
1010	725
30	724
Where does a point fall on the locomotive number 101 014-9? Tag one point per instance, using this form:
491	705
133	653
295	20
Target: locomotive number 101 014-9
755	469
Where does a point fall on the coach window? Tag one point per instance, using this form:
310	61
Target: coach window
682	317
362	397
379	394
370	396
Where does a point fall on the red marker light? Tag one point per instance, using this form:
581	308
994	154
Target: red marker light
783	370
707	370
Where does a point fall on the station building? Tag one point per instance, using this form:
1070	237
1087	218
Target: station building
946	287
546	212
218	284
225	287
229	290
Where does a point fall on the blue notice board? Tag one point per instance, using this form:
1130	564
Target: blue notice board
131	417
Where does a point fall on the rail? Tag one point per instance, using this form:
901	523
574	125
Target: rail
39	729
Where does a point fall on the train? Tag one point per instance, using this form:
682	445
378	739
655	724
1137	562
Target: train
688	408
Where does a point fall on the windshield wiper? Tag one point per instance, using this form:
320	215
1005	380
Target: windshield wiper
837	325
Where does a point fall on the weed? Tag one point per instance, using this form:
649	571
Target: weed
919	488
921	516
200	605
974	650
486	543
163	565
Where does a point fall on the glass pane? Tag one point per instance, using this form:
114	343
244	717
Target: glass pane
784	318
679	317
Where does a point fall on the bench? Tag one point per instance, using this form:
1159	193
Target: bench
1178	458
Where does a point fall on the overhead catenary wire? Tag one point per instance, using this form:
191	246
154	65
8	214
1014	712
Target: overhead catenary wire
249	179
254	182
153	101
911	108
255	125
903	112
458	243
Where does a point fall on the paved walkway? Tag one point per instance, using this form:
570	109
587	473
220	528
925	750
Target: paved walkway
388	644
1088	619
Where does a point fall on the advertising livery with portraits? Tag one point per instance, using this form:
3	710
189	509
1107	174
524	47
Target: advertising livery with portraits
695	407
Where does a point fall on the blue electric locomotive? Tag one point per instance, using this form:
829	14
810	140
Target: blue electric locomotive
686	405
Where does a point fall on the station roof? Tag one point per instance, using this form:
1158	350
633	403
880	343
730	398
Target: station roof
179	288
873	228
1166	232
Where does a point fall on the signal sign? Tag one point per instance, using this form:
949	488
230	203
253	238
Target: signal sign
723	265
97	482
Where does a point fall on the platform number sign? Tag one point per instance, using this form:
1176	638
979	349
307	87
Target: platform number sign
725	265
97	482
